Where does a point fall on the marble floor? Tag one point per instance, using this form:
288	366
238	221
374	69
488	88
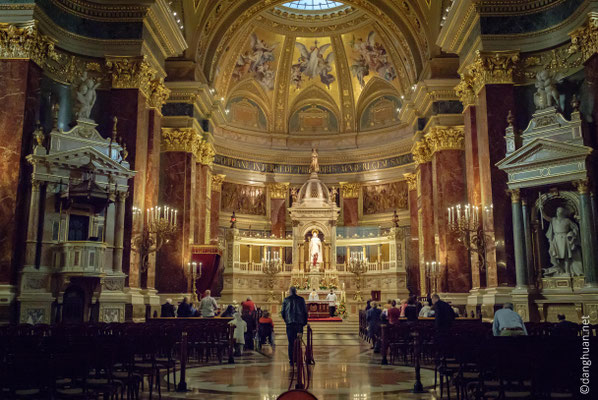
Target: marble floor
341	372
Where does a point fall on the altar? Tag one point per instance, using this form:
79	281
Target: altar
318	309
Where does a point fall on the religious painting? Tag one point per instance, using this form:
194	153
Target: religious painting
246	113
258	61
385	197
314	60
243	199
380	113
313	118
368	55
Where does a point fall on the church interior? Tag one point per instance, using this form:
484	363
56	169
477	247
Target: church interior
428	152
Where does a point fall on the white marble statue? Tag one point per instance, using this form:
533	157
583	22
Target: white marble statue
86	96
314	166
563	237
547	95
315	249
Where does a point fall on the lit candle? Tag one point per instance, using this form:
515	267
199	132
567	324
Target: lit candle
200	265
148	215
175	212
458	211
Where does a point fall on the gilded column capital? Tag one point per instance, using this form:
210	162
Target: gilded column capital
465	92
584	40
26	42
515	195
278	190
131	73
217	181
493	67
158	93
350	190
186	140
445	138
421	152
205	154
583	186
411	181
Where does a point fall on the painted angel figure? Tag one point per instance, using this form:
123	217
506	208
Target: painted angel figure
262	53
312	62
86	96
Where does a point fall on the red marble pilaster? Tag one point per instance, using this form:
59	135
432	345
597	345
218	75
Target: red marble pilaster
129	106
203	203
495	101
350	211
425	217
413	274
152	181
472	173
19	92
215	214
448	177
278	212
177	181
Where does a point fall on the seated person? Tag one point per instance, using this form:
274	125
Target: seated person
564	327
230	310
266	329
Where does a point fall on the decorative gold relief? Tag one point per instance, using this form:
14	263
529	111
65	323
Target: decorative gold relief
158	93
445	138
515	195
584	40
385	198
26	42
421	152
205	154
217	181
465	90
350	190
187	140
278	190
582	186
492	68
411	181
131	73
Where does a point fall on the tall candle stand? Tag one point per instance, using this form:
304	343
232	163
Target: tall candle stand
358	267
195	270
465	223
271	267
160	227
432	273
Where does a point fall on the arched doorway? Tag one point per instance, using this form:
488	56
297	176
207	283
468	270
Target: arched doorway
73	305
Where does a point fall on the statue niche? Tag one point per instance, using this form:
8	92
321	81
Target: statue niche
562	234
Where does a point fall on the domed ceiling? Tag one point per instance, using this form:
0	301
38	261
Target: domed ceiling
314	67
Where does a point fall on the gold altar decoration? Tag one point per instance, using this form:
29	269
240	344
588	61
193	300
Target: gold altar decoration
465	222
584	40
357	266
217	181
350	190
411	181
278	190
131	73
421	152
26	43
160	227
187	140
445	138
329	280
299	280
271	266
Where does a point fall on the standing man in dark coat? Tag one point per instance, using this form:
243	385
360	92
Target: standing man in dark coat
373	320
294	314
444	314
167	310
184	310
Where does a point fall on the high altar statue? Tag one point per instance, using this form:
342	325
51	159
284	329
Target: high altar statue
315	249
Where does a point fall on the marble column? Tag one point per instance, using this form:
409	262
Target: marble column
494	103
350	203
33	225
277	192
519	240
413	274
587	234
119	232
19	91
215	207
527	231
203	203
427	245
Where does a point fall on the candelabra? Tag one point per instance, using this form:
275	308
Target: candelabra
465	223
160	227
358	267
432	273
271	267
195	272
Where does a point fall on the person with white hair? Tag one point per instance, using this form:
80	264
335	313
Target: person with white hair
507	322
239	333
167	309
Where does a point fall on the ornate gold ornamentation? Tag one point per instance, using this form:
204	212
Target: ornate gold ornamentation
26	43
205	154
493	68
278	190
217	181
131	73
445	138
515	195
583	186
350	190
411	181
187	140
158	93
421	152
584	40
465	91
